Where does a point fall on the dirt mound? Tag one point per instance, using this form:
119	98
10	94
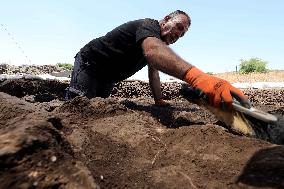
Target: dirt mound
126	142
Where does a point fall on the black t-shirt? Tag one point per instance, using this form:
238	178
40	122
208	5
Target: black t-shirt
118	55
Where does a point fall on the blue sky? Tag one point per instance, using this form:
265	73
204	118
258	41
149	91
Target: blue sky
222	32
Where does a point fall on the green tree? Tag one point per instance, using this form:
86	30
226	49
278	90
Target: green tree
65	66
253	65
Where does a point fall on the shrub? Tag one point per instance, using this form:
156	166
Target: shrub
252	65
210	73
65	66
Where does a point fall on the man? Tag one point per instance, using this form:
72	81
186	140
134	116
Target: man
129	47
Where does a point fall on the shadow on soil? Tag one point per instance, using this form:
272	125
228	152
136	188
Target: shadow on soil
165	117
265	169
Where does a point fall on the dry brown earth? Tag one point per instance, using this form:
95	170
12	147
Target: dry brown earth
126	142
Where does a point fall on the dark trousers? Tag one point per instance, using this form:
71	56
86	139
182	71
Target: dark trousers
84	83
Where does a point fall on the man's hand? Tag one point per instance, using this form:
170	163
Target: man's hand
161	102
216	90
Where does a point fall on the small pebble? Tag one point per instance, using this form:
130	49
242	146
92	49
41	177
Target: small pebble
53	158
38	164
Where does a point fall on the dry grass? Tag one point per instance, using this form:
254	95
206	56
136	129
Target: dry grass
271	76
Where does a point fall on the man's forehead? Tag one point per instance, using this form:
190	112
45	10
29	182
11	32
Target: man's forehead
180	18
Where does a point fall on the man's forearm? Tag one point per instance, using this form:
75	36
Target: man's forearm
162	58
154	82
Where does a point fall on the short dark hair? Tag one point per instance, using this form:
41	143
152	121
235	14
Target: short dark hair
177	12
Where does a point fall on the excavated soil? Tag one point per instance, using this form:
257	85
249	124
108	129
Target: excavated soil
126	142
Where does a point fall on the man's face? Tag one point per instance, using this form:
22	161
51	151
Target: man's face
173	28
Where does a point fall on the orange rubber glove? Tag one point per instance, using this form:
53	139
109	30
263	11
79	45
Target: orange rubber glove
161	102
217	90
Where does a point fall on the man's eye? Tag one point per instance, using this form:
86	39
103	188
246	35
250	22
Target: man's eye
181	28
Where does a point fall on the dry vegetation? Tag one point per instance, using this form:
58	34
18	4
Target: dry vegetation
270	76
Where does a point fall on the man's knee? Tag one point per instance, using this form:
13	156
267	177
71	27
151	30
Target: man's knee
105	90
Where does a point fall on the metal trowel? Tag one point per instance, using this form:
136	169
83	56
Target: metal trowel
253	112
244	121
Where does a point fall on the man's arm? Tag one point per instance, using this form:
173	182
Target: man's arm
218	91
155	85
154	82
161	57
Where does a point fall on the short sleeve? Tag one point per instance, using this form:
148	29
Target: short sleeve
148	28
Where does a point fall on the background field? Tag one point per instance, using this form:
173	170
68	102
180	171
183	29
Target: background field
270	76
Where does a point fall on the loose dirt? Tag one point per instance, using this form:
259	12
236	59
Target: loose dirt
126	142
